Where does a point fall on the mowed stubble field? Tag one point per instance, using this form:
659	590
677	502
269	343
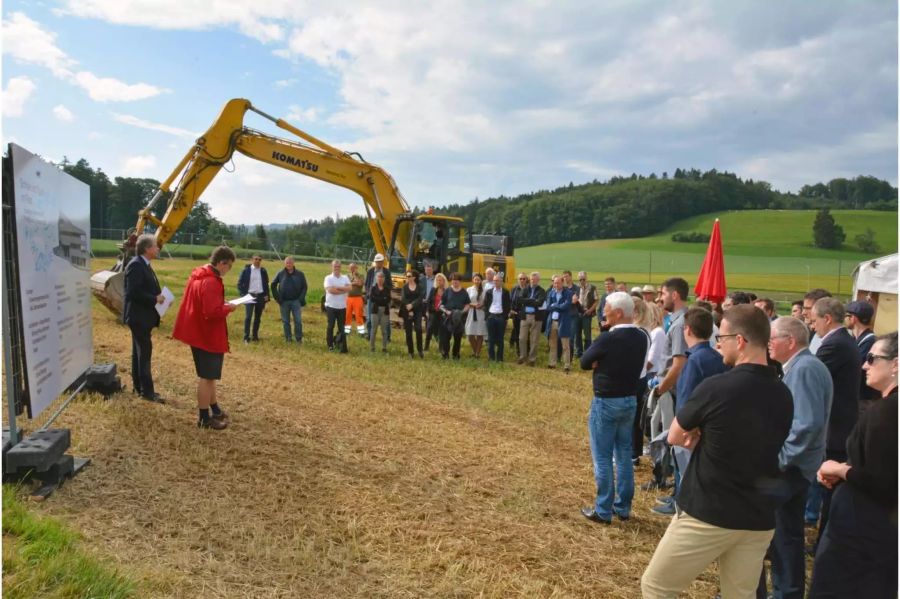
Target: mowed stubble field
346	475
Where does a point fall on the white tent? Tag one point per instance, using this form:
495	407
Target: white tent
875	281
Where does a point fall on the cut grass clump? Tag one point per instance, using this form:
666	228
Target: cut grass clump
42	558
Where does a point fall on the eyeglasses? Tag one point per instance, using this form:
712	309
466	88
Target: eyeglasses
870	358
774	337
720	337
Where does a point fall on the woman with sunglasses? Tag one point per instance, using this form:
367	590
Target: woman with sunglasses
412	309
857	555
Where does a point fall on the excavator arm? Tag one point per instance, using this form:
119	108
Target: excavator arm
314	158
307	156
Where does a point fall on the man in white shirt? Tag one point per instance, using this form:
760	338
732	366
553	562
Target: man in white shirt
254	280
337	286
497	305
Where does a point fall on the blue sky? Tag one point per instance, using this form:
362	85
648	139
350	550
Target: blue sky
459	100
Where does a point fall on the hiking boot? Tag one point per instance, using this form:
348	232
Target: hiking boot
212	423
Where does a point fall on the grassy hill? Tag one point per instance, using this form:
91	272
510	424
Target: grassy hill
765	250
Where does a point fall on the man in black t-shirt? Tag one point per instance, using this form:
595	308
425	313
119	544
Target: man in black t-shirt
736	424
617	359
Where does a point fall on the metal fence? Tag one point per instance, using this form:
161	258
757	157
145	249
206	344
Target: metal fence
194	246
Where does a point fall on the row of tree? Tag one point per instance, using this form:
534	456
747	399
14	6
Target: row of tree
634	206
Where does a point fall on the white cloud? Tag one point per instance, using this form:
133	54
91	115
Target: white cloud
138	166
94	135
285	83
134	121
17	92
107	89
26	41
254	19
296	114
63	114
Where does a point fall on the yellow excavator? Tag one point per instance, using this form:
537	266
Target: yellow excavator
406	239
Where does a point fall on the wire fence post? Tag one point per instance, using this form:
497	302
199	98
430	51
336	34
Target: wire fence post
840	262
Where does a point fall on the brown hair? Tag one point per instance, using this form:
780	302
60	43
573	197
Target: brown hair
701	322
223	253
749	322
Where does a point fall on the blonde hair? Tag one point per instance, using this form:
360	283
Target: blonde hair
654	315
642	316
440	277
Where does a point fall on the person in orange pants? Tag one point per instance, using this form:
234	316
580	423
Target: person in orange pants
355	303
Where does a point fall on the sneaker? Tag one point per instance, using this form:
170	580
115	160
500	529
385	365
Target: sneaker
223	416
664	499
246	341
422	355
213	424
666	509
635	461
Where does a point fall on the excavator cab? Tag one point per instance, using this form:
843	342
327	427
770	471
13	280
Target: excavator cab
441	240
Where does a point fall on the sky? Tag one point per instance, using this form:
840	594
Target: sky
458	99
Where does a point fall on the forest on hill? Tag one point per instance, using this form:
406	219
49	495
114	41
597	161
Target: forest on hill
622	207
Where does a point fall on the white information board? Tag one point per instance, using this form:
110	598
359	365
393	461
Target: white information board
53	226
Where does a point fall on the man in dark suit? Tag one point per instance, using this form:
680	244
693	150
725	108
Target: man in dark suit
142	293
497	304
838	351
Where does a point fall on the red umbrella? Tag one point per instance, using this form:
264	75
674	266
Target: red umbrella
711	282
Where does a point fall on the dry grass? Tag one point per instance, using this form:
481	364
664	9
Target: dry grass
348	475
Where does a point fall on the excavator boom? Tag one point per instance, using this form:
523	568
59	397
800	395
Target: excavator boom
309	156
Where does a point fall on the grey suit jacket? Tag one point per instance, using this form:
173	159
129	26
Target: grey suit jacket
811	387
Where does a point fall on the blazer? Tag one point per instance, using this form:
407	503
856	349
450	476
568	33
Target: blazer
505	302
812	390
536	302
429	303
243	285
560	302
416	298
141	290
840	354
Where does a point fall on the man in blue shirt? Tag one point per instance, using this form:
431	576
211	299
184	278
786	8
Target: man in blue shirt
804	449
702	362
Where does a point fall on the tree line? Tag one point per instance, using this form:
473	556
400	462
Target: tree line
638	206
622	207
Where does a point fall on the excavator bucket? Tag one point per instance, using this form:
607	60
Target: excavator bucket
109	287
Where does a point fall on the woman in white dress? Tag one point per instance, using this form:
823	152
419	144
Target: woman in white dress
476	327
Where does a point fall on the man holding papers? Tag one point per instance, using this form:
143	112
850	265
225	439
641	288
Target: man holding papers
142	294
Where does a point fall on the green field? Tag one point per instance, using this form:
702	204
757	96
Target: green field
765	250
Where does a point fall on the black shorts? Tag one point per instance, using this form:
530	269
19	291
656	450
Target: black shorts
207	364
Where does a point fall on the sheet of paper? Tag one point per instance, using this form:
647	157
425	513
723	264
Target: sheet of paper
247	299
555	316
168	298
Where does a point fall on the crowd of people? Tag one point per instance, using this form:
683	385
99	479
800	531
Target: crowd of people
768	423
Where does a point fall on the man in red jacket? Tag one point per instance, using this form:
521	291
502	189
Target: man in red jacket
201	324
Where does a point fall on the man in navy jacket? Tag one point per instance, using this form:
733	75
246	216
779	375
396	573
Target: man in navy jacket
142	293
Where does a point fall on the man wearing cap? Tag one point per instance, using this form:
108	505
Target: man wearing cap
859	323
648	292
377	266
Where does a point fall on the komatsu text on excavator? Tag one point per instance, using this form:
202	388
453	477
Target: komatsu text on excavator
406	239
